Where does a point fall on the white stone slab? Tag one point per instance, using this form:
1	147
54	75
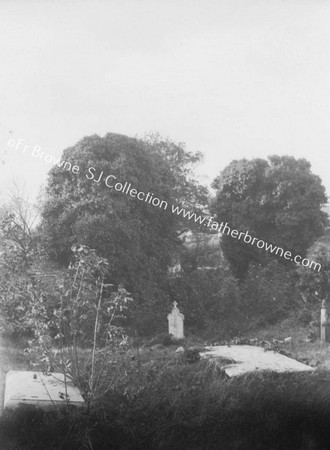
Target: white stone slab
44	391
249	358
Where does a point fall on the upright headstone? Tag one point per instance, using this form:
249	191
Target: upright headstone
175	322
324	318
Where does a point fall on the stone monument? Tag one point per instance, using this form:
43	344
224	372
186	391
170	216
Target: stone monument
324	319
175	322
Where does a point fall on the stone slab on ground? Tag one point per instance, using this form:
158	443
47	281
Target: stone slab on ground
46	391
250	358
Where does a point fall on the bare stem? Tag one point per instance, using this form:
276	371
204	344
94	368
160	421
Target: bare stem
92	387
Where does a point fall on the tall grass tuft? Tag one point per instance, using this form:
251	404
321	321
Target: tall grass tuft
165	403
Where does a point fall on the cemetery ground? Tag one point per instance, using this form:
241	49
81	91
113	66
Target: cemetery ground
159	398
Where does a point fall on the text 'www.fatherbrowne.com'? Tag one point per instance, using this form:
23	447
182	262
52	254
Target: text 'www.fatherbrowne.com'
224	228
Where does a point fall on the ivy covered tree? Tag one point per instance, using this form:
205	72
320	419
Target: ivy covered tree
137	237
278	200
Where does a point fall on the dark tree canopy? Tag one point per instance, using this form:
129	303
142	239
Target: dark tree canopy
138	238
278	201
315	285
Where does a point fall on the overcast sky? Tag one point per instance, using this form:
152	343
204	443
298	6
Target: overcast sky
230	78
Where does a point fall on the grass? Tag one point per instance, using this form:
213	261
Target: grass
160	401
157	399
191	406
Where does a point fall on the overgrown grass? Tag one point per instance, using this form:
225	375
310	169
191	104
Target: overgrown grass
160	401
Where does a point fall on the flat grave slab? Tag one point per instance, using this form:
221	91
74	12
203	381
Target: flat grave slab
249	358
46	391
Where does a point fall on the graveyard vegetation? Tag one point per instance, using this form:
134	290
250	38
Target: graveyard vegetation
86	291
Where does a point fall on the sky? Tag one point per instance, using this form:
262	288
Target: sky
230	78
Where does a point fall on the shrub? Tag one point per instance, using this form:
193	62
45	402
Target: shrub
87	316
171	405
269	293
315	284
207	297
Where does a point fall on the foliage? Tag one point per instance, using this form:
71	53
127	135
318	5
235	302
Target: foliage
88	315
19	249
278	201
186	190
138	239
206	296
148	318
201	250
18	238
315	285
269	293
191	355
166	404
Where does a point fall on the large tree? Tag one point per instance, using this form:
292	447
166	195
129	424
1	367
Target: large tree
18	240
137	238
278	201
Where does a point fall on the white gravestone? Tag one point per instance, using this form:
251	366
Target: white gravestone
324	319
175	322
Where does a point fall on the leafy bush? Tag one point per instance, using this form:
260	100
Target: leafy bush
315	284
147	316
18	250
269	293
86	316
207	298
